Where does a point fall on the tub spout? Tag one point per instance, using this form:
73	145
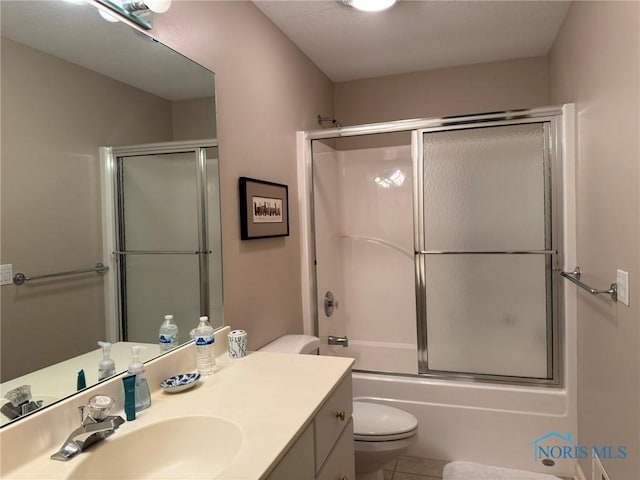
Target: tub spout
343	341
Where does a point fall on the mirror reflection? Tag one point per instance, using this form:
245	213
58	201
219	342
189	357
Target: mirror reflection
81	95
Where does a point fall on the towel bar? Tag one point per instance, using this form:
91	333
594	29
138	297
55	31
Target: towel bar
20	278
574	277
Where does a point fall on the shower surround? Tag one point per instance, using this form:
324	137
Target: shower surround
357	213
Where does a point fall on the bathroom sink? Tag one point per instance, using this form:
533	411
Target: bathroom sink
186	447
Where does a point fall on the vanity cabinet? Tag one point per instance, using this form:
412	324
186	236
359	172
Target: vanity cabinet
324	451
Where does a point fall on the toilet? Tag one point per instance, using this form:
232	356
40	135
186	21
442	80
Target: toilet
381	433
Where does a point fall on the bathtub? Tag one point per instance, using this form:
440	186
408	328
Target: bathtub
485	423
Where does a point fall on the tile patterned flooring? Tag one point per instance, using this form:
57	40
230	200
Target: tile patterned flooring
416	468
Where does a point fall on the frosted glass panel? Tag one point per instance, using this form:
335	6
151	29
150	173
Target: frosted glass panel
157	285
160	202
487	314
485	189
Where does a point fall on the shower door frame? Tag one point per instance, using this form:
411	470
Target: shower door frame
552	251
113	225
553	144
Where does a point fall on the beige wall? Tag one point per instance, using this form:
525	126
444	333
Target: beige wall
194	119
55	115
450	91
266	90
594	62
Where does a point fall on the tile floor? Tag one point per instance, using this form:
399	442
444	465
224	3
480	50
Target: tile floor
416	468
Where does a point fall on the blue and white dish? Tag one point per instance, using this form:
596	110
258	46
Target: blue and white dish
180	382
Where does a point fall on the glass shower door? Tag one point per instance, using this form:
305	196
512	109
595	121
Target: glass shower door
162	241
484	252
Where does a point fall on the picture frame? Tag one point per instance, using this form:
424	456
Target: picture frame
264	209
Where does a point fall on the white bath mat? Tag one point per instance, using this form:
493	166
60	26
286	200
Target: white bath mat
477	471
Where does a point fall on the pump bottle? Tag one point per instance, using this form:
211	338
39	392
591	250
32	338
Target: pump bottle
107	366
142	394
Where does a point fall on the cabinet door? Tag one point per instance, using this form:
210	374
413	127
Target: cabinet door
340	464
332	418
298	463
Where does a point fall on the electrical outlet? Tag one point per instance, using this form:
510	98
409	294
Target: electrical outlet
622	281
6	274
598	471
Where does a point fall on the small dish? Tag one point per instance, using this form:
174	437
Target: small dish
181	382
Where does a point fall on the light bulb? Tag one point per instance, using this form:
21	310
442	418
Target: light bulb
371	5
158	6
107	16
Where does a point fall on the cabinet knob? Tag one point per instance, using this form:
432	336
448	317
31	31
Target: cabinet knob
341	415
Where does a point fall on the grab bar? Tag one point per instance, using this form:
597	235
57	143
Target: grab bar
574	277
20	278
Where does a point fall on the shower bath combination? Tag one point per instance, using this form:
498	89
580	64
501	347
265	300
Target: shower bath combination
442	240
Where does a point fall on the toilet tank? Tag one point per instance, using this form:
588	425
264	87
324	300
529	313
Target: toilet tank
305	344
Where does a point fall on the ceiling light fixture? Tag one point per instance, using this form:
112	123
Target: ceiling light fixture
369	5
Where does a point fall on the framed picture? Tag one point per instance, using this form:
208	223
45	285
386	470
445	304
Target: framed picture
264	209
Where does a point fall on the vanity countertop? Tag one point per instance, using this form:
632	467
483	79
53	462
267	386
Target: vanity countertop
270	396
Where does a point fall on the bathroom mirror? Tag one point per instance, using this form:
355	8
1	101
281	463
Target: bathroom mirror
72	83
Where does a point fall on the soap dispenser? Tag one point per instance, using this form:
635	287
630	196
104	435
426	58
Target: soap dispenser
142	395
107	366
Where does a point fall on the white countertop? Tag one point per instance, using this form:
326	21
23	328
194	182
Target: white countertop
270	396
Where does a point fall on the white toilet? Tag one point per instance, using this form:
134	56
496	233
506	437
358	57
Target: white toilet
381	433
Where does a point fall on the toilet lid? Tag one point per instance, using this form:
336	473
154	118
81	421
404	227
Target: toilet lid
374	422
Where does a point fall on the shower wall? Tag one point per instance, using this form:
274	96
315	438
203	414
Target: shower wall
364	252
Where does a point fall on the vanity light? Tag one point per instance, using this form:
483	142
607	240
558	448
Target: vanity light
158	6
107	16
369	5
139	11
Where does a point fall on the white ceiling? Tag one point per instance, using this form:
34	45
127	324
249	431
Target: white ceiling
415	35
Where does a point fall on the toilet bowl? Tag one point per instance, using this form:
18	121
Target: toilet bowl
381	433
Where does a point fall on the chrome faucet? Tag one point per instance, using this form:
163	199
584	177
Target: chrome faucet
343	341
95	427
20	402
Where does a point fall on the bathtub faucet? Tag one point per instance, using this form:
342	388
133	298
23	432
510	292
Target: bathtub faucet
343	341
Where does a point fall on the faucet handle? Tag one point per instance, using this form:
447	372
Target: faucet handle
100	406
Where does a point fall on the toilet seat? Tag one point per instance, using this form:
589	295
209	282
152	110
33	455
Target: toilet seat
373	422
